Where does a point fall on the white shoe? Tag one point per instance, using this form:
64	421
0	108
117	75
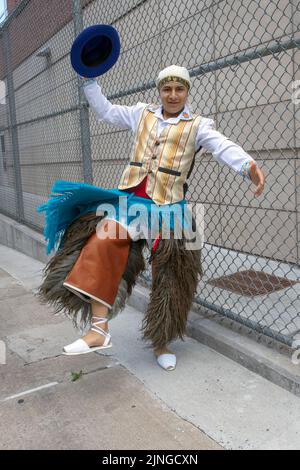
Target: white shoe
167	361
81	347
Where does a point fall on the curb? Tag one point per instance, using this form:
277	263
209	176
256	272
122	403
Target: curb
22	238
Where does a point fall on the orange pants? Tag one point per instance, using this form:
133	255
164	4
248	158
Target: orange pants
99	268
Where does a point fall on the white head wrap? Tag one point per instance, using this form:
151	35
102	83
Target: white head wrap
173	73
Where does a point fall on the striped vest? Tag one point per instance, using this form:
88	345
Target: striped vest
164	159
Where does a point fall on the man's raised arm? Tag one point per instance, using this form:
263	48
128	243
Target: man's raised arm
124	117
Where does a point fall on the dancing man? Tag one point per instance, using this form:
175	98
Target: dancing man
99	256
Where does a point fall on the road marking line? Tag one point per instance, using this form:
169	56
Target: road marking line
32	390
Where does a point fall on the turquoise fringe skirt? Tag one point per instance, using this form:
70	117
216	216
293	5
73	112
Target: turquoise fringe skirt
141	216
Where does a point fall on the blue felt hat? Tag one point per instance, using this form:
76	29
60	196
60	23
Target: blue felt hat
95	50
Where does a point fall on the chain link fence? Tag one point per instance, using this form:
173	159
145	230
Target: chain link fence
243	57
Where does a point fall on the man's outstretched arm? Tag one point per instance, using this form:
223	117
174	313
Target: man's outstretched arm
124	117
231	154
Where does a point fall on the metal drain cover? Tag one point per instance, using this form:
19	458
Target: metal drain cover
251	283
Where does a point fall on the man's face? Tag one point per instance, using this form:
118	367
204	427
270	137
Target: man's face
173	96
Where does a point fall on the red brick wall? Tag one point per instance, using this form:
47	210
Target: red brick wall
37	22
12	4
35	25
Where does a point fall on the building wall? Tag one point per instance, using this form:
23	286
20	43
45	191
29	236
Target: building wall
12	4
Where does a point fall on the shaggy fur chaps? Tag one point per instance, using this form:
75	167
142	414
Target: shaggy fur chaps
52	292
175	275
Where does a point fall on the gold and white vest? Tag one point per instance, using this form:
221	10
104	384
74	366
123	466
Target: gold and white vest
164	159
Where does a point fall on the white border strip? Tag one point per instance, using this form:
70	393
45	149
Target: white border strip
66	284
32	390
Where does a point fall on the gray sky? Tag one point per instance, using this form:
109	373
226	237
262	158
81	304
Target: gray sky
2	9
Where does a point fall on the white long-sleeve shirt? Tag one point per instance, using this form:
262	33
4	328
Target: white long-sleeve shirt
126	117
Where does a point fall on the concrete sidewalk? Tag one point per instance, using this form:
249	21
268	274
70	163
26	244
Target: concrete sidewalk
107	407
124	400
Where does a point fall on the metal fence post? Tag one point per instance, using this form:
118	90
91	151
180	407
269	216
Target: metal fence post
83	106
13	127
